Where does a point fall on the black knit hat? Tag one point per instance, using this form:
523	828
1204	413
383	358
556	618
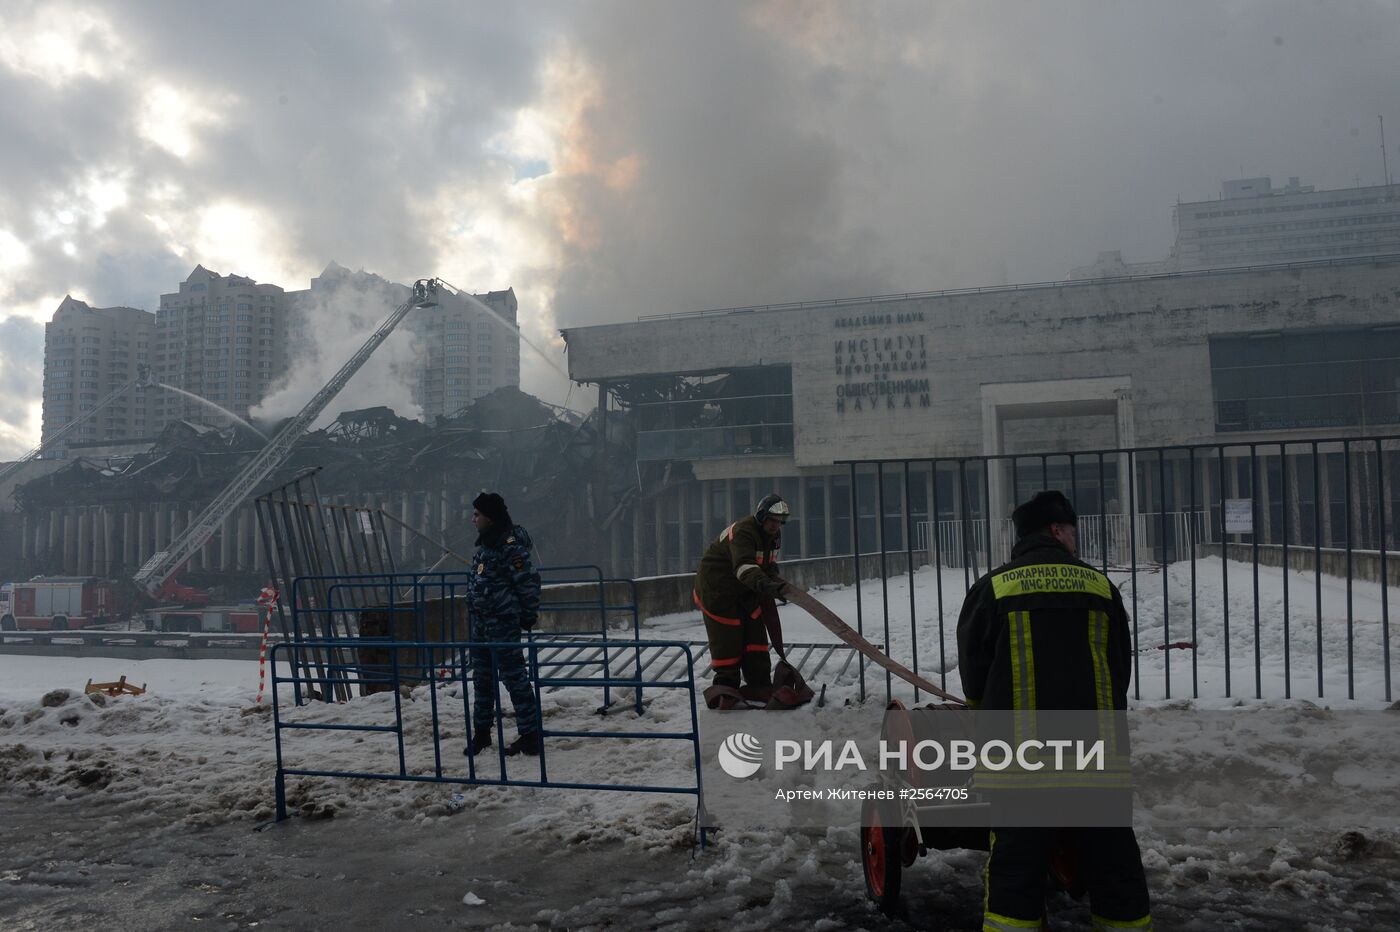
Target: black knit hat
1045	509
494	507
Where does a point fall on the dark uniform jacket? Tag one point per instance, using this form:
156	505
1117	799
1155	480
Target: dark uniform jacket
726	584
503	583
1044	631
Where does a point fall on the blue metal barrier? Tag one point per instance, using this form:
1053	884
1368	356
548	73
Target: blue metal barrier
414	662
397	594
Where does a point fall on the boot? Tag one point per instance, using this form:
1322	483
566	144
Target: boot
525	744
756	694
481	740
723	698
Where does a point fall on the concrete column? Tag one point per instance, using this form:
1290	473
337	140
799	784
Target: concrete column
112	526
1323	498
24	539
55	535
259	556
240	540
707	512
177	525
830	518
929	481
1206	495
683	524
659	511
186	516
638	549
1288	462
100	551
1232	480
1126	436
1363	508
226	543
804	514
85	542
143	532
160	528
1265	531
129	540
615	549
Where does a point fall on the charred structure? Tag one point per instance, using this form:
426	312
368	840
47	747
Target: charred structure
104	515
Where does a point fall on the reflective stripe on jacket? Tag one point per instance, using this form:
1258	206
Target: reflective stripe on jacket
726	584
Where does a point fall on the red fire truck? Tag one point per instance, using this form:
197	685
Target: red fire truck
57	603
243	619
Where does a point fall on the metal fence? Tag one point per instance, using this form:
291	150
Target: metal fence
1267	561
1102	539
417	753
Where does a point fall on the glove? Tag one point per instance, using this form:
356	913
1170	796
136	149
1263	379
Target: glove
771	586
528	622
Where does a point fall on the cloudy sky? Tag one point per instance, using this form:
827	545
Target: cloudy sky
613	159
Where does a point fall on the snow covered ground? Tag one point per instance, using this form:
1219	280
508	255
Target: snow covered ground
141	811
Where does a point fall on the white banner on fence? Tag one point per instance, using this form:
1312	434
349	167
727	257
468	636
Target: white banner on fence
366	525
1239	516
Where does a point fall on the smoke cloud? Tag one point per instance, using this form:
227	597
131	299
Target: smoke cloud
329	325
615	158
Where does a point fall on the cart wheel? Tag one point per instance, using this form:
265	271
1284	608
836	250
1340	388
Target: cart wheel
881	856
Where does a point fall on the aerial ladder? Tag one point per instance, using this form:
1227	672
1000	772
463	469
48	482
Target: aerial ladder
142	380
164	563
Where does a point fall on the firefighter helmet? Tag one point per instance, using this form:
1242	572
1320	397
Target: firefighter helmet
772	506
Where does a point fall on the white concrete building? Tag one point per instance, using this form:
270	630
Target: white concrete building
735	403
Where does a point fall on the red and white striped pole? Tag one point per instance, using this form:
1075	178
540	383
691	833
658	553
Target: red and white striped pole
266	599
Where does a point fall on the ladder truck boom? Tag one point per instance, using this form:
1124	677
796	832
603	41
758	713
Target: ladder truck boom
163	564
143	379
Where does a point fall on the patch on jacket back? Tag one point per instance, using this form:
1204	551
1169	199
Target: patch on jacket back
1050	577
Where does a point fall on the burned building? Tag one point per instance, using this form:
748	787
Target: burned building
106	514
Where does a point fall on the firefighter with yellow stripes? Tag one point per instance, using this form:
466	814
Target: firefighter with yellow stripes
735	589
1047	631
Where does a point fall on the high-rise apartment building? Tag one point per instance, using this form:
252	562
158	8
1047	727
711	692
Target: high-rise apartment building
463	351
373	298
1255	223
221	337
466	351
90	352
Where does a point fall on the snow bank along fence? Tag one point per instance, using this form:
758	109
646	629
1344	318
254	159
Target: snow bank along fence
430	608
1162	521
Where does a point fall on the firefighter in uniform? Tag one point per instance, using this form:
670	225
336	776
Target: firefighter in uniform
503	593
1024	643
735	589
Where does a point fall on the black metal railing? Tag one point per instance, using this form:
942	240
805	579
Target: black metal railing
1199	539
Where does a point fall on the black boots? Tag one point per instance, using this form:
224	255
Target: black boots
525	744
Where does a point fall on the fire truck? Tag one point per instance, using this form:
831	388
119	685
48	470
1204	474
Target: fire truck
243	619
57	603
